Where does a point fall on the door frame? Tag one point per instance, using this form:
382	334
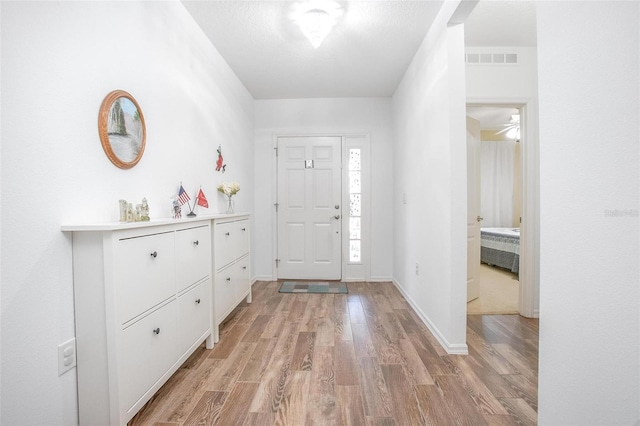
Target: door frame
528	304
366	225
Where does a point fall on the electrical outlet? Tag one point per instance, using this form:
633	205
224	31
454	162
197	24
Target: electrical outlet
66	356
417	268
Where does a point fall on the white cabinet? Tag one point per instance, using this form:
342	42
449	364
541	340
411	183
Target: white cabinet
232	266
143	304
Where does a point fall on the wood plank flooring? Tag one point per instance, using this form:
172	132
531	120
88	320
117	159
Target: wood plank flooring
362	358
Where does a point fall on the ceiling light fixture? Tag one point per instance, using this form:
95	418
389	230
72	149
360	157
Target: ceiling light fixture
316	19
512	128
316	24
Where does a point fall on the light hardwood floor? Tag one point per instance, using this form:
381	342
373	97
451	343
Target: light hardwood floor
358	359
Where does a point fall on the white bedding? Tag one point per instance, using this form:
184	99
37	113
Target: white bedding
512	232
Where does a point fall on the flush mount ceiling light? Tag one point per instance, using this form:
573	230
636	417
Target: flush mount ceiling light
316	19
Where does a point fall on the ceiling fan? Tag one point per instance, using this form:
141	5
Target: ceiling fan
512	128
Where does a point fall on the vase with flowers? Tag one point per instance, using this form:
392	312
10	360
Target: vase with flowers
229	189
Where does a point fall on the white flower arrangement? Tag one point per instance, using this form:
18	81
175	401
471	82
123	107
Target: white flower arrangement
229	188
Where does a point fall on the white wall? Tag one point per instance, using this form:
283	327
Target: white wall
502	83
588	55
59	60
430	168
324	116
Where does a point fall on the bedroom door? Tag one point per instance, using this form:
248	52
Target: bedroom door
473	209
309	207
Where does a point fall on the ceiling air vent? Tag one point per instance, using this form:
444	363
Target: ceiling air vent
492	58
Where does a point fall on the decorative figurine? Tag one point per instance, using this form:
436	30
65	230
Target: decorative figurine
129	214
144	211
177	210
123	210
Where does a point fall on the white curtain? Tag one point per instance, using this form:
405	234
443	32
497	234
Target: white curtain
497	161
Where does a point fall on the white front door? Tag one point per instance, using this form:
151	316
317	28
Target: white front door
473	209
309	207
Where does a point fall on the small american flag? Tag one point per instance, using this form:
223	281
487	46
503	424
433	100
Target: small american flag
183	197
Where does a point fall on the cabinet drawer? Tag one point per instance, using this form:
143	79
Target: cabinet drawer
146	351
224	243
242	229
194	308
144	273
193	255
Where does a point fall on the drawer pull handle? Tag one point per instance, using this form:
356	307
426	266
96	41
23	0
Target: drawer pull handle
228	279
196	242
154	254
156	331
197	301
227	234
244	229
244	267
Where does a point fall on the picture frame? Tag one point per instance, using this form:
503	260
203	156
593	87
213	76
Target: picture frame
122	129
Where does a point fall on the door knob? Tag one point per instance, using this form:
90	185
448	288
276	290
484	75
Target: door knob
336	217
479	218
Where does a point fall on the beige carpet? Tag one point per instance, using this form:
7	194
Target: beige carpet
499	292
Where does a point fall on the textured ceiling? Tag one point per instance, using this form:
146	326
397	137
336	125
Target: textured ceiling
366	53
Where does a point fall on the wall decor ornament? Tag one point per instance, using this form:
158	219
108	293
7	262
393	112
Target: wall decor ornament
122	129
220	166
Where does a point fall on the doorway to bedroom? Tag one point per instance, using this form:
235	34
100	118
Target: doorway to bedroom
495	208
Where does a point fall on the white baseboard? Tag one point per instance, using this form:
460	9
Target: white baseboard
452	349
372	279
381	279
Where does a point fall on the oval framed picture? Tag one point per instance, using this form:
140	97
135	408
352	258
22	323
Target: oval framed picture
122	129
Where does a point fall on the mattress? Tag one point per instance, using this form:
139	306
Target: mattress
501	247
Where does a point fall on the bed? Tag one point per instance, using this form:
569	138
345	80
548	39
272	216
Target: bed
501	247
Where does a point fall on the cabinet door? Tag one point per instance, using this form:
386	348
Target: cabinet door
144	273
242	247
224	292
193	255
146	351
243	279
194	309
224	236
